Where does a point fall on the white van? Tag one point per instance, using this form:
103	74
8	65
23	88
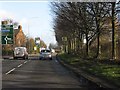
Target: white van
20	52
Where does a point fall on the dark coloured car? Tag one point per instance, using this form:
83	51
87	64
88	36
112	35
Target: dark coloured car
45	54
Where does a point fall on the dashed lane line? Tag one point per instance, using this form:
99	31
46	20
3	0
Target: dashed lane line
20	65
15	68
56	61
10	71
25	62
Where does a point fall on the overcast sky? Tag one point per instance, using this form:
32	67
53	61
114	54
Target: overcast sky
35	18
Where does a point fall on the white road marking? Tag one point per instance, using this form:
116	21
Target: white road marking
10	71
20	65
25	62
15	68
56	61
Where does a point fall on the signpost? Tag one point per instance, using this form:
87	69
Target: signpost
64	38
7	34
37	42
7	40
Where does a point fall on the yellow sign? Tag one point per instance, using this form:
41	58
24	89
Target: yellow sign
35	48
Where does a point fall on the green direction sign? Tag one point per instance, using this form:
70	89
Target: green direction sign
7	30
7	39
7	34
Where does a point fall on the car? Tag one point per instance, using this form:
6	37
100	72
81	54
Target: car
20	52
45	54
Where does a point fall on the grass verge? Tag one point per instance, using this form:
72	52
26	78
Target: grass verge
109	72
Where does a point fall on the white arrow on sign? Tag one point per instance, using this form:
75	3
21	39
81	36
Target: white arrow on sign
6	39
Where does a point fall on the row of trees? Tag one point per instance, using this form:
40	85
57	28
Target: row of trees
89	28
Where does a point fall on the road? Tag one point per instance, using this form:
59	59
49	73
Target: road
34	73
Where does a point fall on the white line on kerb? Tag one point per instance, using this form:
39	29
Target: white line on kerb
20	65
10	71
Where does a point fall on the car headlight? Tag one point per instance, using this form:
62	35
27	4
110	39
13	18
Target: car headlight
49	55
23	54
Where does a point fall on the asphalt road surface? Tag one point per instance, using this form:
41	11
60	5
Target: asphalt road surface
34	73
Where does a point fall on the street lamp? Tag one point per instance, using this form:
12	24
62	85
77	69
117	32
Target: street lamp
29	19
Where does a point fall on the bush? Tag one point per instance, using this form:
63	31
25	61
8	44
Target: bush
7	52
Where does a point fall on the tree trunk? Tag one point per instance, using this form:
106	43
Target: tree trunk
113	30
98	38
98	45
87	47
69	47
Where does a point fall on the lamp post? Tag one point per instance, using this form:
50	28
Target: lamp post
29	19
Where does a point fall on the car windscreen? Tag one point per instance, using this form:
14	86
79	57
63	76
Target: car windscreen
45	50
19	50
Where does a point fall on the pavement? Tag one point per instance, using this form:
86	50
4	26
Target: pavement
7	57
100	82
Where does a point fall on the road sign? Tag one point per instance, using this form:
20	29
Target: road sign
7	39
35	48
64	38
7	30
37	40
7	34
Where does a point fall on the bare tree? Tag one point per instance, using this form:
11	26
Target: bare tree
113	29
79	21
